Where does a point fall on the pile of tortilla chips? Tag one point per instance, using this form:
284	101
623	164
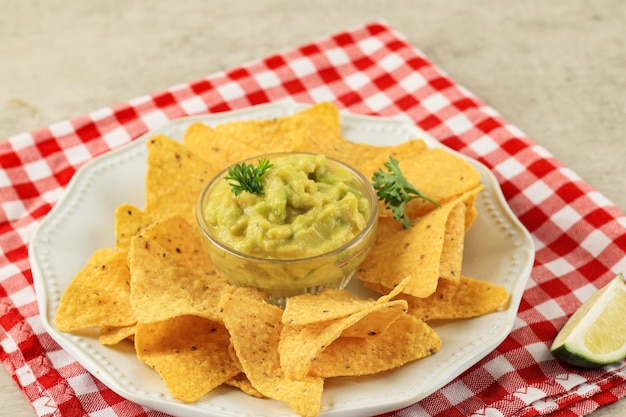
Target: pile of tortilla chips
158	290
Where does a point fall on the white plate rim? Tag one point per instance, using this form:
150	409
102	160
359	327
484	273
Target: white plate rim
49	283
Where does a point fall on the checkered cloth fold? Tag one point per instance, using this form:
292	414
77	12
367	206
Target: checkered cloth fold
580	236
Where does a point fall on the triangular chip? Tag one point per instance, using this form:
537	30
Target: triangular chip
469	298
388	294
175	177
377	322
406	340
219	150
328	305
99	295
439	174
162	289
242	382
260	136
323	124
414	252
380	154
255	329
183	242
451	259
292	133
190	354
129	220
112	335
300	345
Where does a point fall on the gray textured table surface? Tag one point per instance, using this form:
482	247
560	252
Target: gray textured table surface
557	70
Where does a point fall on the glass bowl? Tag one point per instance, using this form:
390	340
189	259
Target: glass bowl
284	266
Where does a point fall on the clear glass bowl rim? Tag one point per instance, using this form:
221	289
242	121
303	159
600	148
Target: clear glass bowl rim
370	225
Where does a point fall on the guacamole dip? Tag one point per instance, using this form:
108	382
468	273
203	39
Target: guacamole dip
308	206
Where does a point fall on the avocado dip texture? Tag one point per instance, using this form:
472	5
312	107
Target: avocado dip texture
308	207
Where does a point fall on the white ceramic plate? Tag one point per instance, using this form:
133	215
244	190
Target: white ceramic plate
498	249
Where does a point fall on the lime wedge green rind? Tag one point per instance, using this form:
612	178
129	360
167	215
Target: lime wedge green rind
577	360
595	335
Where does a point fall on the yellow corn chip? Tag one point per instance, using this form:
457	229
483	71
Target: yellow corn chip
218	149
438	174
405	151
112	335
255	329
99	295
129	220
242	382
376	322
415	251
300	345
325	138
175	177
237	140
406	340
190	354
451	259
469	298
390	293
328	305
162	289
183	242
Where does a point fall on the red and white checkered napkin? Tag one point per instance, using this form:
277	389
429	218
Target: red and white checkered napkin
580	237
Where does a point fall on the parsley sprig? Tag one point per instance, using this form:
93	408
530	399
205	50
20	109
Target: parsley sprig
247	177
396	191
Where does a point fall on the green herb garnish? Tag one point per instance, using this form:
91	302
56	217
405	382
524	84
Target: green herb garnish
396	191
248	177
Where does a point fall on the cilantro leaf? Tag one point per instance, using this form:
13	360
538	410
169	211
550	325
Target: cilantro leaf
396	191
247	177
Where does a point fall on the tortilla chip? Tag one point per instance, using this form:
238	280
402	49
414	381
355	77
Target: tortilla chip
323	117
328	305
406	340
162	289
300	345
451	259
112	335
259	136
469	298
218	149
183	242
437	173
129	220
255	328
328	140
416	251
377	322
190	354
405	151
175	178
389	293
99	295
471	212
242	382
314	126
232	141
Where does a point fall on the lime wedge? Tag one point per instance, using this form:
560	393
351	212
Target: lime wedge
595	335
